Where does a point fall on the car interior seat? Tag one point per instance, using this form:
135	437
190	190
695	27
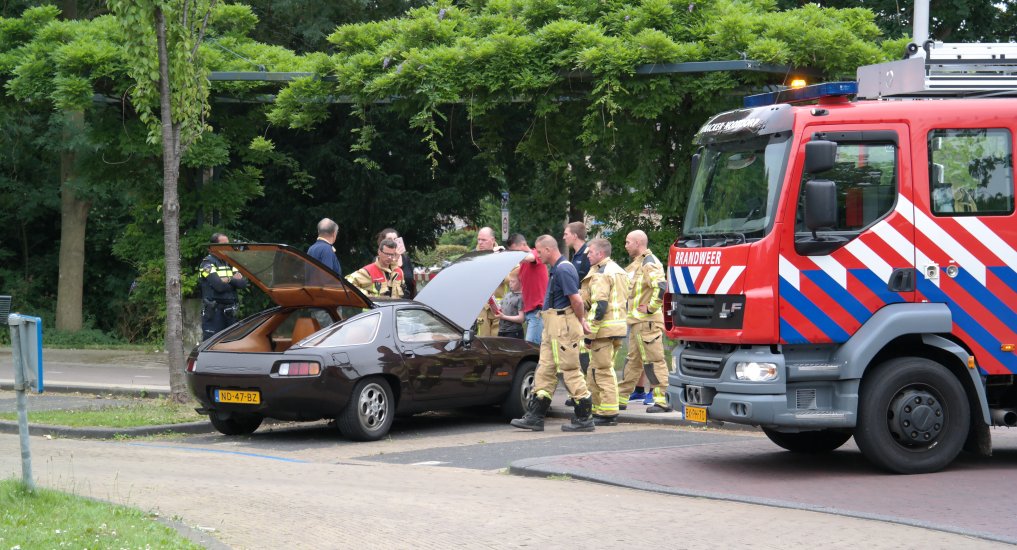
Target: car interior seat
304	327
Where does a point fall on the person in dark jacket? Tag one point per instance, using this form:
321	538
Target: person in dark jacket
323	249
219	283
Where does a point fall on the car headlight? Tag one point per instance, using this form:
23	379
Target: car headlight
756	372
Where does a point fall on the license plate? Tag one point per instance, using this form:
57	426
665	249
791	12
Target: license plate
238	396
695	414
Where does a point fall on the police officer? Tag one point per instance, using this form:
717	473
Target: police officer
646	324
605	292
219	284
383	277
564	327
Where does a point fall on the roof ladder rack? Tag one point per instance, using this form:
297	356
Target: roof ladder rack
946	70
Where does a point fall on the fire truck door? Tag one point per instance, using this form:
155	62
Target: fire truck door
966	238
832	283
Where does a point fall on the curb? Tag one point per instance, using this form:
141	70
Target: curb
200	427
660	420
104	389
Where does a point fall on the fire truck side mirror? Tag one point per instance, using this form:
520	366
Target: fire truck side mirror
819	155
820	205
695	165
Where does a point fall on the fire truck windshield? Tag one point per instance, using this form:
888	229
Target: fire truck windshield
735	190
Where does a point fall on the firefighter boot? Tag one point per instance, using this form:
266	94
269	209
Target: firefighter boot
582	420
534	417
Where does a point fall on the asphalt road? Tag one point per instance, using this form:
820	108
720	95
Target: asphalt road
268	489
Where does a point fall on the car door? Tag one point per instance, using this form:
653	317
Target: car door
439	363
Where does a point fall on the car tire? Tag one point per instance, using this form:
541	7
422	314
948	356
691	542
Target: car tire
913	416
228	423
522	386
812	442
369	413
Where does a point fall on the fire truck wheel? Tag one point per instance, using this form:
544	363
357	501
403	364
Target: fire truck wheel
814	442
913	416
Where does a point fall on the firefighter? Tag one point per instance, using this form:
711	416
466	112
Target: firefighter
219	283
382	277
646	324
487	321
564	327
605	292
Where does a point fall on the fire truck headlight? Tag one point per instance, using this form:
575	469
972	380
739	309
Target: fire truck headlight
756	372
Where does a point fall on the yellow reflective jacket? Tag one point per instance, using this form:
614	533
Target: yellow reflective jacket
646	275
606	283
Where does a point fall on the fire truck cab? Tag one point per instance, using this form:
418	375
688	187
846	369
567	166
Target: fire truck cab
849	267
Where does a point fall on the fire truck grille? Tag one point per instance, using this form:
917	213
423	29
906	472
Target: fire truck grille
708	310
704	361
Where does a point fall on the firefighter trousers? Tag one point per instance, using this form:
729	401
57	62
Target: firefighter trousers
487	323
645	355
600	378
559	351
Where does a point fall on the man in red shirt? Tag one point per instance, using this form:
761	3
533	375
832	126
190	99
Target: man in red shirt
533	278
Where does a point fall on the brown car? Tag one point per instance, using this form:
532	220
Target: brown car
328	351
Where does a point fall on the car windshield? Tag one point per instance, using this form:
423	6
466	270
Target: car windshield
735	190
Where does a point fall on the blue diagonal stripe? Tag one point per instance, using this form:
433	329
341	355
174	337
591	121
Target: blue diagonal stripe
789	334
876	285
988	300
674	280
688	280
1007	275
823	321
839	294
968	324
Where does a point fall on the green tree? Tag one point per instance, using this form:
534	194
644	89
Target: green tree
553	105
949	20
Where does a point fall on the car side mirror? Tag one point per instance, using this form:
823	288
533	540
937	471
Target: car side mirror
467	338
820	155
820	205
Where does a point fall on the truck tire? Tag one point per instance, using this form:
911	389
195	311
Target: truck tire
913	416
814	442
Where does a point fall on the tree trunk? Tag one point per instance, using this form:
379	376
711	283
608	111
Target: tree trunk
73	223
171	220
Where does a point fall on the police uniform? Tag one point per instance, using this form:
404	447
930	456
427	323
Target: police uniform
374	280
218	299
605	292
559	351
646	331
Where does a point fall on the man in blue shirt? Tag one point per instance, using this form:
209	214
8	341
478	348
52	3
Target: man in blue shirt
575	238
322	249
564	328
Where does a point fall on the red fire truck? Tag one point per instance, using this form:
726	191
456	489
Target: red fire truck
848	267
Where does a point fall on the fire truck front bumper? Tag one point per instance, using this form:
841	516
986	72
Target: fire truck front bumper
751	386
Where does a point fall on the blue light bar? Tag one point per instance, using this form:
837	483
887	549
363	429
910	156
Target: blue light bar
799	95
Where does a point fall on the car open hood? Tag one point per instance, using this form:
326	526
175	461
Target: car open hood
460	290
289	277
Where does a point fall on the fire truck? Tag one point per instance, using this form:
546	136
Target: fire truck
847	267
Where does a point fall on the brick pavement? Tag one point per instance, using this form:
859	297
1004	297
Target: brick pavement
972	497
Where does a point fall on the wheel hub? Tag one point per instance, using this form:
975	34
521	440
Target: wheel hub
915	417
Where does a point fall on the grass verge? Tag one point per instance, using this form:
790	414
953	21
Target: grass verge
143	412
51	519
